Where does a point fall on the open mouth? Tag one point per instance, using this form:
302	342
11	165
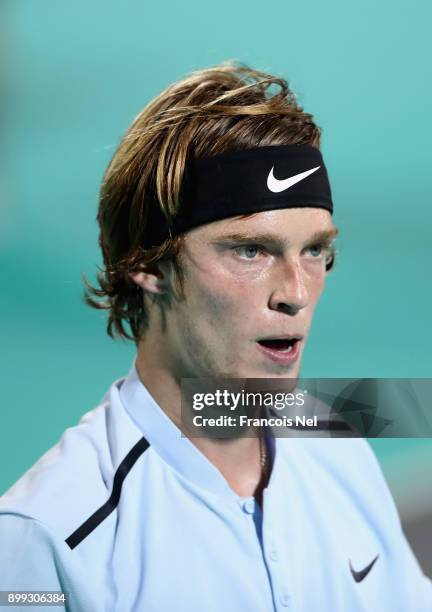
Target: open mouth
282	351
282	345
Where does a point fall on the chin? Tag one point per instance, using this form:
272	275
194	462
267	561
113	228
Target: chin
276	372
290	374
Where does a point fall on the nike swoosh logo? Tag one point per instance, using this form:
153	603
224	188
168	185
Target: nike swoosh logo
361	575
276	186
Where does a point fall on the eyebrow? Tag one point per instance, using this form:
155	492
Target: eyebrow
319	236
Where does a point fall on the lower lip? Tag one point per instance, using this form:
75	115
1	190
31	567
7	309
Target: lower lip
281	357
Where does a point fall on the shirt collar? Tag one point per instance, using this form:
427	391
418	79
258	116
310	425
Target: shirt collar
167	440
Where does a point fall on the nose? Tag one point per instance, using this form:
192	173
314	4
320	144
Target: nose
290	294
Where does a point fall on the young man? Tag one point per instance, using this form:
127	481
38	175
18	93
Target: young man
216	231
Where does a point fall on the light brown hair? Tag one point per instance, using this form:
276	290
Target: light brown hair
225	108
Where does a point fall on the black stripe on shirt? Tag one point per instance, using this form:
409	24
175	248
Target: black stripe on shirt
101	514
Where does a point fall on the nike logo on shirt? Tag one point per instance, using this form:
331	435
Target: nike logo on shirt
361	575
276	186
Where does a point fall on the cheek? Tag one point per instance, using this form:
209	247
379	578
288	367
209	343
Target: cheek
223	307
212	295
316	284
217	304
208	305
210	328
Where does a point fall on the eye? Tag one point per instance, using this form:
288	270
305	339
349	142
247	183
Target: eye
324	250
316	249
248	251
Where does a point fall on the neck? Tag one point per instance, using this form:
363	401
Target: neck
238	460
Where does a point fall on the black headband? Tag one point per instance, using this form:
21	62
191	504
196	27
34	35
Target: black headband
242	182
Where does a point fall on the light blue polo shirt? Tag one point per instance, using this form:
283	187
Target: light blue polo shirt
127	515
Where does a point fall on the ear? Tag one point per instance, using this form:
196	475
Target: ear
155	279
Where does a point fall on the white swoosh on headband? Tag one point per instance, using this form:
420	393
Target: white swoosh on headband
277	186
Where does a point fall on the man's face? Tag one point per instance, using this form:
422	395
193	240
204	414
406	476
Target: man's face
250	289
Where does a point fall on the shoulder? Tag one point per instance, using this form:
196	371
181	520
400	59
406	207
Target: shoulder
349	453
346	455
348	465
29	554
75	476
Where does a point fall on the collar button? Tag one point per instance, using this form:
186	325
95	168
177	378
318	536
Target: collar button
249	505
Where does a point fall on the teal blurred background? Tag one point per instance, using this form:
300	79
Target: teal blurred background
75	74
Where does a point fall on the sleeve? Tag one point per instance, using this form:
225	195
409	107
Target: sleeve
28	559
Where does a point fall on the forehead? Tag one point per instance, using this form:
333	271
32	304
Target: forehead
288	224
